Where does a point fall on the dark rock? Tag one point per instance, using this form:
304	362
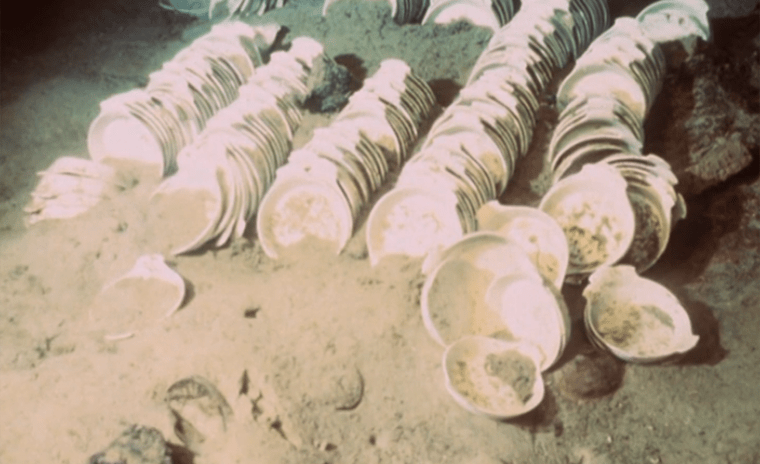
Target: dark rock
334	85
202	414
590	376
136	445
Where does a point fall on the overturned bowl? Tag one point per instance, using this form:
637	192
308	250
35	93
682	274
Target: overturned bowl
492	377
635	319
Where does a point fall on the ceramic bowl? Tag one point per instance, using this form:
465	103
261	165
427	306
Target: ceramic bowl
635	319
493	378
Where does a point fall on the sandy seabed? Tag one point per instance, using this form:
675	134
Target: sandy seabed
300	331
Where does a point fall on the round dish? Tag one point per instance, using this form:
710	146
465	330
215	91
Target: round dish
493	378
635	319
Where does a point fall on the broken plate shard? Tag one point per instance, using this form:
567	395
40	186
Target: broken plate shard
150	292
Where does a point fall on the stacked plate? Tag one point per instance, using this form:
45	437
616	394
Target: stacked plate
72	186
505	10
590	18
656	205
532	229
543	37
240	8
225	173
606	98
326	183
471	150
589	130
408	11
402	11
482	13
624	63
152	125
675	20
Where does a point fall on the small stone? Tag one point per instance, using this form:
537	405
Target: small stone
344	388
589	376
333	83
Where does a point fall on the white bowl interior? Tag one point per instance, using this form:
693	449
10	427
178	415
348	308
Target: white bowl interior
637	319
535	231
533	312
492	377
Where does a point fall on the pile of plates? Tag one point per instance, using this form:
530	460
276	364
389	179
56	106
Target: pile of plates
225	173
486	293
591	128
408	11
544	37
402	11
152	125
72	186
472	149
605	100
326	183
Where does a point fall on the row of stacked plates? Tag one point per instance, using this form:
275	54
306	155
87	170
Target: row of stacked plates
590	129
327	182
402	11
486	13
408	11
224	174
72	186
472	149
622	62
612	201
242	8
153	124
557	34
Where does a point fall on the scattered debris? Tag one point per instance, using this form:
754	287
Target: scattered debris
138	444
